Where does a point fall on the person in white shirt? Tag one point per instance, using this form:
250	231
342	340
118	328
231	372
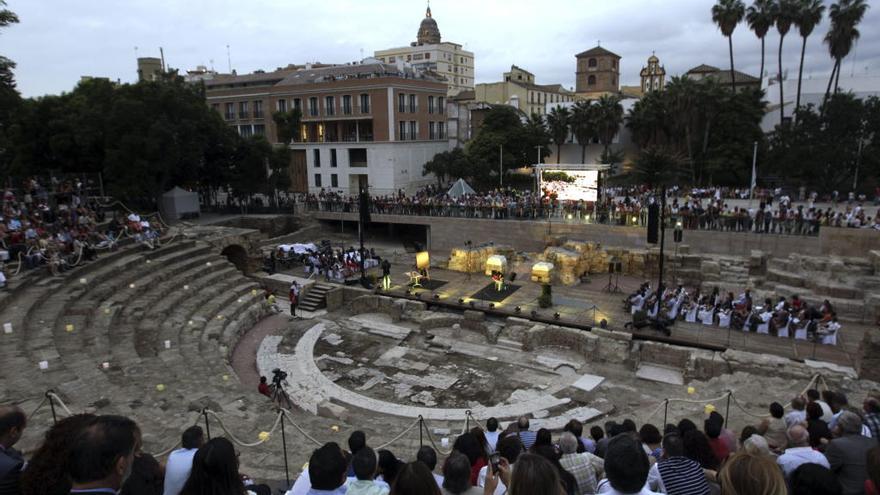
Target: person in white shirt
180	461
800	452
798	413
491	434
365	463
626	468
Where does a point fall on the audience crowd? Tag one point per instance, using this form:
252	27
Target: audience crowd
59	229
703	209
786	318
820	447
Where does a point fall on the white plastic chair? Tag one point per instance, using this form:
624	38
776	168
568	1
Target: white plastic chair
706	316
691	315
673	313
783	332
724	319
831	337
652	313
800	333
638	304
764	326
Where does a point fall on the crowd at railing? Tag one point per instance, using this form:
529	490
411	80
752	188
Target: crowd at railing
822	441
692	210
794	318
60	229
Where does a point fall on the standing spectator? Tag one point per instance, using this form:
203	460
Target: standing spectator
365	466
414	479
294	298
626	467
47	471
510	449
676	474
814	397
847	454
800	452
456	478
102	454
750	474
12	425
816	426
180	461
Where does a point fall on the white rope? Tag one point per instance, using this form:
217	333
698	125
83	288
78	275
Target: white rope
242	442
61	403
42	403
431	439
300	429
401	434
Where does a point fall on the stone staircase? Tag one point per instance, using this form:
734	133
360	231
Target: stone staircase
316	297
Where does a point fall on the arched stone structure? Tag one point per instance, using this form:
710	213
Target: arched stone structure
238	256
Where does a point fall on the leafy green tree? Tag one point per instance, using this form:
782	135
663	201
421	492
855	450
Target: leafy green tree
558	124
759	15
10	100
583	125
448	165
287	124
656	166
845	15
609	116
504	126
727	14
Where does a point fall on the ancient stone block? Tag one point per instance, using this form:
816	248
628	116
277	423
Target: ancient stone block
472	315
334	299
330	410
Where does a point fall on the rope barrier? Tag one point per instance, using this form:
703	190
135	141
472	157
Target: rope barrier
299	428
61	403
431	439
263	439
40	406
401	434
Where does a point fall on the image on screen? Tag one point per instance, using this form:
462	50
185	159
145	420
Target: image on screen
570	185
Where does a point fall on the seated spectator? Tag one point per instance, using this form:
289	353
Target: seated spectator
798	413
492	434
756	444
626	468
813	479
12	425
817	427
750	474
577	429
534	475
578	464
47	471
365	464
799	452
102	454
813	396
674	473
597	434
389	466
774	429
526	437
651	439
179	463
146	477
469	445
457	476
356	441
428	456
510	449
871	406
542	438
414	479
847	454
872	485
566	479
697	447
326	471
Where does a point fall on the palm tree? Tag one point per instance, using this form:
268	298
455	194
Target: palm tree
656	166
609	116
760	18
583	125
557	122
845	16
809	15
785	13
727	14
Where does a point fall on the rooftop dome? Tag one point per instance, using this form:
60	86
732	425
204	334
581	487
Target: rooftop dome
429	33
653	59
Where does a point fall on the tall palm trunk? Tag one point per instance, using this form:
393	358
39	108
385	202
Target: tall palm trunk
830	82
583	153
781	100
558	152
797	104
732	76
761	74
837	77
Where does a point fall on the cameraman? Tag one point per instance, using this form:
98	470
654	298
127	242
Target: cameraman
263	387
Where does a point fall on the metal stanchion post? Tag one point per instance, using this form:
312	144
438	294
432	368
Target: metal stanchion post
665	411
52	405
421	430
727	412
207	423
467	421
284	446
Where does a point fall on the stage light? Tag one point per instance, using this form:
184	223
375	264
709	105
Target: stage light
460	301
534	314
473	303
678	224
517	309
635	219
423	260
491	305
555	316
436	296
569	216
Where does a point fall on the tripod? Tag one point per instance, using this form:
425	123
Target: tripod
279	395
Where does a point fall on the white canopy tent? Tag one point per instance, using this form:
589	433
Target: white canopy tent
460	188
179	203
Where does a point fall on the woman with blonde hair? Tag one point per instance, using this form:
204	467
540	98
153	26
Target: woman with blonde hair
746	473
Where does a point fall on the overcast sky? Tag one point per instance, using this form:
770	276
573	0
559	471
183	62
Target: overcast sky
58	41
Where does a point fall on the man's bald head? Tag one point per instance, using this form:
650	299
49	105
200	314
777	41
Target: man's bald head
798	436
12	423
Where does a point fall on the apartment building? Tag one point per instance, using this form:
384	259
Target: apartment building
363	125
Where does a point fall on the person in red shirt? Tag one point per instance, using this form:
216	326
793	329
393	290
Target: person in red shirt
263	387
713	427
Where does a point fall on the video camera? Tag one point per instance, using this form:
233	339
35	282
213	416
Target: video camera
278	376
